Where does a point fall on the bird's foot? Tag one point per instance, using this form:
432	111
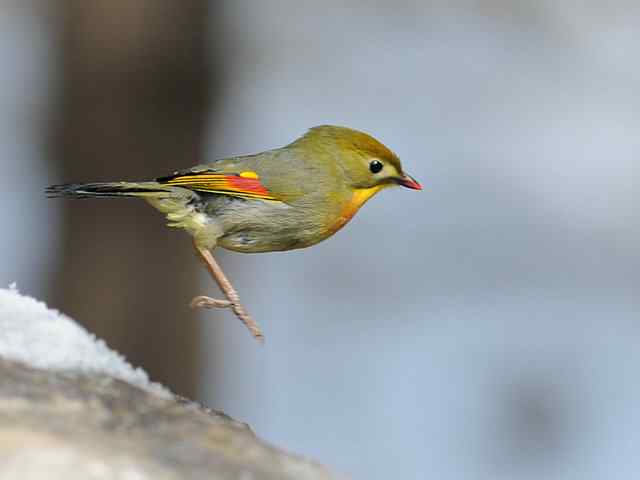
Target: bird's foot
203	301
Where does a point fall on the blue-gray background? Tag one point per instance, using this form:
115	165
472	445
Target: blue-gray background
486	327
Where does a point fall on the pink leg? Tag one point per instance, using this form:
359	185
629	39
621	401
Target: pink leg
233	300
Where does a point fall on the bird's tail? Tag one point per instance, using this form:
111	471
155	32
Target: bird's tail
108	189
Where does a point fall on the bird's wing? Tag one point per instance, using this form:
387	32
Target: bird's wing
242	184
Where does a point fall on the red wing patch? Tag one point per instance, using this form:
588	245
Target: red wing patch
243	185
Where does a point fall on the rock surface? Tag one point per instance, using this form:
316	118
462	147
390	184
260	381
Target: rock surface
60	425
71	408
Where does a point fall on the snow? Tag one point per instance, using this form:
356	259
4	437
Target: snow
43	338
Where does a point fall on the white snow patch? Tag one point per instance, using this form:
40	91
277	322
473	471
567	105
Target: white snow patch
42	338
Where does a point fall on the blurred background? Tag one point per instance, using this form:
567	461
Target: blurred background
484	328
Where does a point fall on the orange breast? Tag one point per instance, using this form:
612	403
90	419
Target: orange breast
359	198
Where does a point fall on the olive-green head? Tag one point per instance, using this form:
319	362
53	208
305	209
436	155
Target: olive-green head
363	160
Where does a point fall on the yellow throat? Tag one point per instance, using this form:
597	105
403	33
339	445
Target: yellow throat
359	198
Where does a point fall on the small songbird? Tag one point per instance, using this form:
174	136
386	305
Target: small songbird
282	199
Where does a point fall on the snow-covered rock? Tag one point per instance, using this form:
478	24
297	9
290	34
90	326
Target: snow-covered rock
42	338
71	408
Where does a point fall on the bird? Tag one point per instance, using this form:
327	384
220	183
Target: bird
281	199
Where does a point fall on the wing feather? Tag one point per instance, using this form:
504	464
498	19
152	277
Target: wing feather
242	185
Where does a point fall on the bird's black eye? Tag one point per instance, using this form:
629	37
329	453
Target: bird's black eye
375	166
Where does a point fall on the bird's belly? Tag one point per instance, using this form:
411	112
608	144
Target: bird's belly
257	226
257	240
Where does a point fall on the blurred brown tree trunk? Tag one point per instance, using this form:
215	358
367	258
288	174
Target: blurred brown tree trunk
134	97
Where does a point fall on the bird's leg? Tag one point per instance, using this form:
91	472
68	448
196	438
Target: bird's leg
233	300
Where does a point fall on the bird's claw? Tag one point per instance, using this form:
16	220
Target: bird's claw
203	301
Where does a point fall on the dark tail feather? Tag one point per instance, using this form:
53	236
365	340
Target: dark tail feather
105	189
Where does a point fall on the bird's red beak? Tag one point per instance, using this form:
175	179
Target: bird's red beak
409	182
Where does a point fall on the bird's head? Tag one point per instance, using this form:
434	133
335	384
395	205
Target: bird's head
364	161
